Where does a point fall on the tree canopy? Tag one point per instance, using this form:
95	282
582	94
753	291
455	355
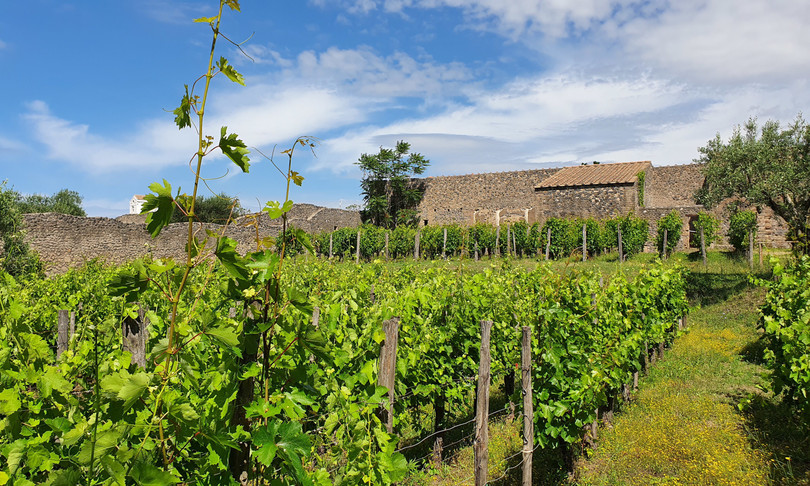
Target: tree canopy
390	193
64	201
767	167
218	208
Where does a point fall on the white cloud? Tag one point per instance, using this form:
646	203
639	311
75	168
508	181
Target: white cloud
9	145
724	40
3	45
152	144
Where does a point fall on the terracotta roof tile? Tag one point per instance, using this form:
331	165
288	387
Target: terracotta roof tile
592	175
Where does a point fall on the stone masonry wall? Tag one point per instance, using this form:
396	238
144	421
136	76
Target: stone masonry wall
672	186
589	201
492	197
64	241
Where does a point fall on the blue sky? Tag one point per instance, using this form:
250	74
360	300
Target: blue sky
87	87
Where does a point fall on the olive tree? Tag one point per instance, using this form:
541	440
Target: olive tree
767	167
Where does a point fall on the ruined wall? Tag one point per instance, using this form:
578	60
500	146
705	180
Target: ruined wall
672	186
587	201
485	198
65	241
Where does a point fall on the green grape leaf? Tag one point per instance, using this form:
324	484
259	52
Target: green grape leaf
230	259
129	282
146	474
206	20
234	149
163	204
225	335
296	178
229	71
234	4
182	113
9	401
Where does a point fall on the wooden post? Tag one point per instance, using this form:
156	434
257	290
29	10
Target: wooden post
416	246
134	334
444	245
703	247
751	249
664	246
548	244
508	239
528	407
621	243
476	250
357	248
330	245
584	242
498	241
62	331
388	367
760	253
514	243
481	444
438	423
386	245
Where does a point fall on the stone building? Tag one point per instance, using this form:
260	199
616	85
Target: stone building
596	190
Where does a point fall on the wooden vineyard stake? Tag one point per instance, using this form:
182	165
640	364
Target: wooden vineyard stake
548	243
619	237
497	241
760	253
584	242
751	249
703	247
330	245
388	367
357	249
134	333
386	245
438	423
62	331
444	245
416	246
664	246
481	444
528	407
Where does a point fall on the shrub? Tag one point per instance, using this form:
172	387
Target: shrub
740	225
673	224
711	230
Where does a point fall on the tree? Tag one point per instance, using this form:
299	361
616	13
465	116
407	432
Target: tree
64	201
217	209
390	193
15	258
768	167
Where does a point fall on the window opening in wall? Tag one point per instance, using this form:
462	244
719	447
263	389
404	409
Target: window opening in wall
425	222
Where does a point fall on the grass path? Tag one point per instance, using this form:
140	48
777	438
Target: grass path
684	426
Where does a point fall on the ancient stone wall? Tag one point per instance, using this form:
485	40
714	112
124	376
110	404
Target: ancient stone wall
488	198
672	186
587	201
64	241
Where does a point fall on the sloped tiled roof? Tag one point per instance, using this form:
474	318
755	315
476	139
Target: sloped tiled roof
595	175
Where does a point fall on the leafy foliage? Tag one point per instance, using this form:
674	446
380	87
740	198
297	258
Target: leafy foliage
390	194
711	230
218	209
673	225
765	167
64	202
741	225
784	322
16	258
